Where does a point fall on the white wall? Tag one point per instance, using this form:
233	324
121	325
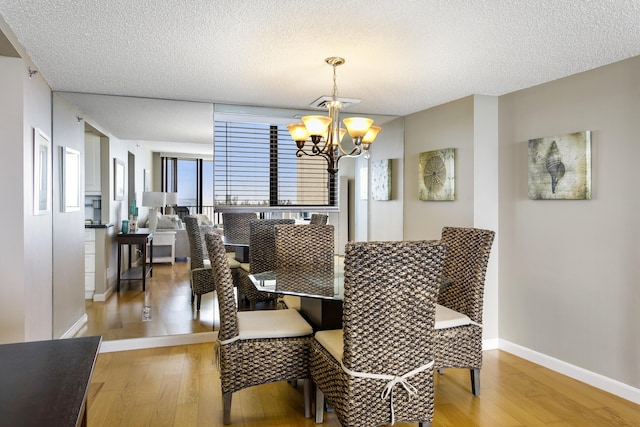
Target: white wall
570	271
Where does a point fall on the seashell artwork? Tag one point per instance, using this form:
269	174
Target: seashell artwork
560	167
554	165
436	179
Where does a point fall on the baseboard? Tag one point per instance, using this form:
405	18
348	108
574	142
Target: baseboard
73	330
609	385
102	297
491	344
161	341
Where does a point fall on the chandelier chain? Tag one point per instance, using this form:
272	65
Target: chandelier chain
335	84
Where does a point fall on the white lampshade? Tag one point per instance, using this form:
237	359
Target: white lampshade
154	199
172	199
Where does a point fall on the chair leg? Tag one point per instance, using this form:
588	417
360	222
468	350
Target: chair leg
198	303
441	371
475	381
226	408
308	388
319	406
424	424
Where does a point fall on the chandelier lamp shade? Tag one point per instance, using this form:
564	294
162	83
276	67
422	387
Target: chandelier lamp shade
325	131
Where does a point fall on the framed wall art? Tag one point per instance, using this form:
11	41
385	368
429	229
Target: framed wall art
436	177
118	179
560	167
381	180
41	172
70	173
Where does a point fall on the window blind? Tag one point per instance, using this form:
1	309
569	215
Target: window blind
255	164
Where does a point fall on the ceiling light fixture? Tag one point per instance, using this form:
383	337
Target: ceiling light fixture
326	133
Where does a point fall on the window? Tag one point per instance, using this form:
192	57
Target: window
256	165
192	179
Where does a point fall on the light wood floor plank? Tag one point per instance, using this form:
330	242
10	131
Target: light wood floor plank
179	386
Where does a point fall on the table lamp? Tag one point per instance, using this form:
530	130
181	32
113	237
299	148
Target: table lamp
172	200
154	200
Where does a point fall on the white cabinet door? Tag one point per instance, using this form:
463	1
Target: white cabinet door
92	184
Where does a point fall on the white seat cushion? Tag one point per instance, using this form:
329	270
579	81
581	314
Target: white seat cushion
332	341
206	263
233	263
272	324
447	318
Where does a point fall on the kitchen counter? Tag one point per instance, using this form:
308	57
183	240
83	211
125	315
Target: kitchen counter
97	225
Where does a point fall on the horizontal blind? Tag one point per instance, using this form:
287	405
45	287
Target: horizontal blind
256	165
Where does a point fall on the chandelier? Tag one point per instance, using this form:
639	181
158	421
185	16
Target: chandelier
326	133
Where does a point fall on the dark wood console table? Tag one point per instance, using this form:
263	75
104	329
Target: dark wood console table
45	383
142	238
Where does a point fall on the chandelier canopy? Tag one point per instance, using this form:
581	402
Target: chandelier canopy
325	131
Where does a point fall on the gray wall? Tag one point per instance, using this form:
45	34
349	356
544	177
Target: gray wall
68	227
385	217
26	256
570	279
470	126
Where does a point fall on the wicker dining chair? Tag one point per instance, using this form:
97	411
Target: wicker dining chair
236	226
262	257
200	275
255	347
465	265
304	247
318	219
390	292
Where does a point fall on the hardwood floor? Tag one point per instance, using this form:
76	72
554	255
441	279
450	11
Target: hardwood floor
179	386
169	296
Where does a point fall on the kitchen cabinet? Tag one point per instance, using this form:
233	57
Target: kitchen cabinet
92	179
89	262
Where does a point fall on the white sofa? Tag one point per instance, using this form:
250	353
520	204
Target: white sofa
174	223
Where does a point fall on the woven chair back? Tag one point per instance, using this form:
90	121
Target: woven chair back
304	245
196	247
390	292
262	243
236	226
318	219
466	262
224	286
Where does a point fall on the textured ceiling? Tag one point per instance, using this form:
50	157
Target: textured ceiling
401	56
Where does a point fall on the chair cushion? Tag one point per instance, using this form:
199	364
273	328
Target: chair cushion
332	341
245	266
233	263
272	324
207	263
447	318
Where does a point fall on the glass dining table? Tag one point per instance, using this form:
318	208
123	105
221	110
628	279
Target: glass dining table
321	291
